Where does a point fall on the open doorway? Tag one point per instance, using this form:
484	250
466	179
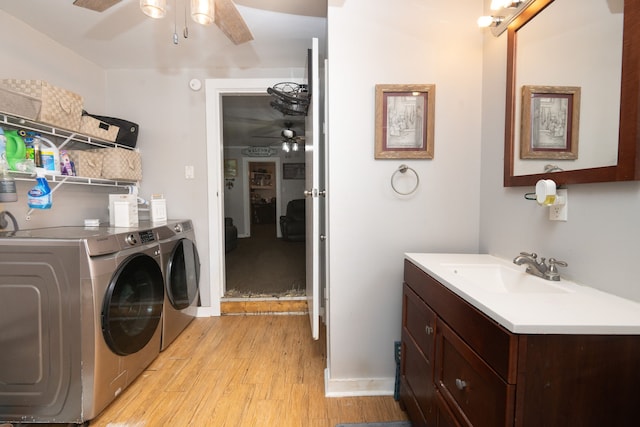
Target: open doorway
259	262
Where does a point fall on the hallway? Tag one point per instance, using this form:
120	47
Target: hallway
265	266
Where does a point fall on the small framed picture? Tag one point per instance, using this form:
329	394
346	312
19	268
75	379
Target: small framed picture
550	122
404	121
293	171
230	168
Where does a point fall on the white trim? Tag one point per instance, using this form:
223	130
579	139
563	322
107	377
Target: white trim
353	387
214	90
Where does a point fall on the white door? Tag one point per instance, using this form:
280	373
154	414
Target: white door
314	193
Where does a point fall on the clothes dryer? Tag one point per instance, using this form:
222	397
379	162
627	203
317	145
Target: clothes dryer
80	319
181	268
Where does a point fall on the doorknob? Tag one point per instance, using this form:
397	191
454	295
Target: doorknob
308	193
323	237
322	193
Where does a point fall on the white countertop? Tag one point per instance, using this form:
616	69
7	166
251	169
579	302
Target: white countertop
578	309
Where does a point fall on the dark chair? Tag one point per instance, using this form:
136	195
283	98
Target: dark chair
292	224
230	235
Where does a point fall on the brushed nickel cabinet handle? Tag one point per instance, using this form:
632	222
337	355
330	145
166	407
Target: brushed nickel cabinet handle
461	384
428	330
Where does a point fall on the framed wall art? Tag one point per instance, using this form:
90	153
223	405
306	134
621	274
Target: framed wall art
293	171
230	168
404	121
550	122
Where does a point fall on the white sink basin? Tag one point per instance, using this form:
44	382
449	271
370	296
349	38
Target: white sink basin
524	303
501	279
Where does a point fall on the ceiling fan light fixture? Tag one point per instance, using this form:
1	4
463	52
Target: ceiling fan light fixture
154	8
202	11
285	146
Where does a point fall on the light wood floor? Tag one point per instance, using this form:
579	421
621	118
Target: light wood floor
241	371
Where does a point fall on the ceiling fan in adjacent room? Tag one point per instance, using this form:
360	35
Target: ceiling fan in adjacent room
289	138
223	12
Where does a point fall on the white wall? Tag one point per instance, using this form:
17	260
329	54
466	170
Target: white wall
400	42
28	54
600	238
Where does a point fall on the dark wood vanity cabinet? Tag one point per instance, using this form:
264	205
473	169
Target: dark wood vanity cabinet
461	368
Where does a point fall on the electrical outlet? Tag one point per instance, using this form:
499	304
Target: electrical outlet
559	212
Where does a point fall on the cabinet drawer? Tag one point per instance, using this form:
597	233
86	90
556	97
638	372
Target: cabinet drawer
417	371
418	321
474	392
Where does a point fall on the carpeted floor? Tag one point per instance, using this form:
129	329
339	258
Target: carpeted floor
263	265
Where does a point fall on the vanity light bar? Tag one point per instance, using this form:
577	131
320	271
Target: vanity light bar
509	11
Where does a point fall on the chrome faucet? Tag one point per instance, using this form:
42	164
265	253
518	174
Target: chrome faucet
540	268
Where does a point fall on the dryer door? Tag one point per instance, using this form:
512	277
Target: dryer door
133	304
183	275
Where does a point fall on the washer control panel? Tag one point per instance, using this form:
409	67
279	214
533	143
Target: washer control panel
141	237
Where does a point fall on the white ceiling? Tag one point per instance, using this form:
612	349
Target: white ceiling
123	37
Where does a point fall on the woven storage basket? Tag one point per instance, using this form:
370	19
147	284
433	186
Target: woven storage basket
94	127
88	163
60	107
121	164
19	104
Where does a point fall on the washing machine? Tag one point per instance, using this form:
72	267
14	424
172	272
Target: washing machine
181	269
80	319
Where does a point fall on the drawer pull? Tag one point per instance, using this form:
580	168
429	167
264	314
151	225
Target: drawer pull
428	330
461	384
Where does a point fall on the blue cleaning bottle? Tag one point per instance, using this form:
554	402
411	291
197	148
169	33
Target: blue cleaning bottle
39	197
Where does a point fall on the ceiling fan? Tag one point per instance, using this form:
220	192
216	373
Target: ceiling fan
286	134
225	16
289	138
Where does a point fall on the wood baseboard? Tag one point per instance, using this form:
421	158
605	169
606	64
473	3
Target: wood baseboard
246	306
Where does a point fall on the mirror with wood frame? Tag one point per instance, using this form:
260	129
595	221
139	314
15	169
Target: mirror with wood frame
626	166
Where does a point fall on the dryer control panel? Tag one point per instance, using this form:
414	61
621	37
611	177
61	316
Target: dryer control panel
140	238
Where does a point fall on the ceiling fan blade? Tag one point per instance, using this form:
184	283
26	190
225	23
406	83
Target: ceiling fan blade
229	20
97	5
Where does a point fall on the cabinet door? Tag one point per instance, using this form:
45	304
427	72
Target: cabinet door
475	393
418	337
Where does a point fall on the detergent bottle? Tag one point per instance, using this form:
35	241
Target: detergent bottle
49	155
39	197
15	150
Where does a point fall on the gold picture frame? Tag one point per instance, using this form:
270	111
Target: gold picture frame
404	121
550	122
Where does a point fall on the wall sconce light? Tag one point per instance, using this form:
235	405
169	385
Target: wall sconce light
489	21
506	11
154	8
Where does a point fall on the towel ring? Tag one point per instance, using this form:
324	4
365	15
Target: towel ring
403	169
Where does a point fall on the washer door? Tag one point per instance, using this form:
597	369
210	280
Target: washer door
133	304
183	275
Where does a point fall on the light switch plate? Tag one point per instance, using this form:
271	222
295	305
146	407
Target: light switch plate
189	172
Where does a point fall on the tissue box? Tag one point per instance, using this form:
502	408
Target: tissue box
60	107
123	210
